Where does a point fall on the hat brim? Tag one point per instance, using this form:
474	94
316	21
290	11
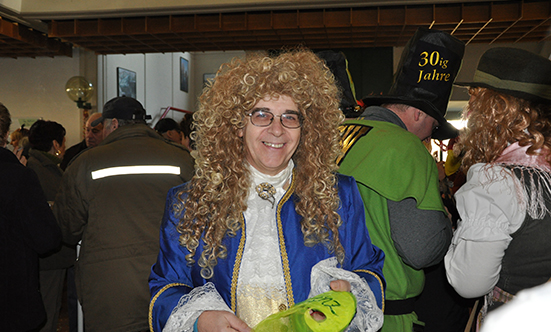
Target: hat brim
423	105
517	94
445	129
97	121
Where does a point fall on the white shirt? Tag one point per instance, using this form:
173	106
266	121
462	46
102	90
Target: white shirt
528	311
261	285
490	210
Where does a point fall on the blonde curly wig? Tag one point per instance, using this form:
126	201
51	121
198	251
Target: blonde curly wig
496	120
213	203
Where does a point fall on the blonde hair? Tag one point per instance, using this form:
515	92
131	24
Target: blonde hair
496	120
216	197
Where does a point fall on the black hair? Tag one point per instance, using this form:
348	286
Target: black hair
42	133
187	127
186	123
166	124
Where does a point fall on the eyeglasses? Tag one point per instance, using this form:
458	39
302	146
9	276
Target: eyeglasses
263	118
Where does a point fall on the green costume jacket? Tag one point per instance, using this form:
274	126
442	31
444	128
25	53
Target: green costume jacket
390	163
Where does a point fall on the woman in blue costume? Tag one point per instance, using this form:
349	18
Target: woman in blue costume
239	241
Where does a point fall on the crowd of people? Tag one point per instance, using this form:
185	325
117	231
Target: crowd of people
267	196
116	247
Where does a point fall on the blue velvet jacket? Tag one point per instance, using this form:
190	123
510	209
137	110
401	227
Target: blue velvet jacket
171	277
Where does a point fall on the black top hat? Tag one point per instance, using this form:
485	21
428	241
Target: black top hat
122	108
515	72
429	64
337	63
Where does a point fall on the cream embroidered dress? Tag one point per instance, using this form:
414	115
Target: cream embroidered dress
261	286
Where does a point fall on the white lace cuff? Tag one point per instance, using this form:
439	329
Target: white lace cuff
192	305
369	317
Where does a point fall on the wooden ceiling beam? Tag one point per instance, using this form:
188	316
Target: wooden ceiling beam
33	42
486	22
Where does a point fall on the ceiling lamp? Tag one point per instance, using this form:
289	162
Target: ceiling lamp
80	91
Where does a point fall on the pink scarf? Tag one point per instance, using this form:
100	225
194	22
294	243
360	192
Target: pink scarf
538	183
515	154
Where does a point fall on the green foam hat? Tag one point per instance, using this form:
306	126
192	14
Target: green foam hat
327	312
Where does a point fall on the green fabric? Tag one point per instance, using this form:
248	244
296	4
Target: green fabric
338	308
400	323
392	163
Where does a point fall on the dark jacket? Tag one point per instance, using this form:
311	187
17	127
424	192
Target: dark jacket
118	219
27	229
527	260
72	152
49	175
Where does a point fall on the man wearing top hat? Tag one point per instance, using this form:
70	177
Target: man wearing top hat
112	199
396	175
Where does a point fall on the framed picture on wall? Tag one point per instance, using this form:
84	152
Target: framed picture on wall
184	75
126	83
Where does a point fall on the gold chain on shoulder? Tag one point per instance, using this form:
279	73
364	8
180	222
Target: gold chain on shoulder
349	135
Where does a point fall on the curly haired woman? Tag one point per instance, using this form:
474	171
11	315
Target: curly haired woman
239	241
501	245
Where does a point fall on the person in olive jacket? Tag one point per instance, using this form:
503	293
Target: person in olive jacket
112	198
27	229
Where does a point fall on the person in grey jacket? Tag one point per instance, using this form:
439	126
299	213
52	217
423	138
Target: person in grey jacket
112	199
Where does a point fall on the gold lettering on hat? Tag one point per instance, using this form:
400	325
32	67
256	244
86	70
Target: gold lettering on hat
434	76
434	60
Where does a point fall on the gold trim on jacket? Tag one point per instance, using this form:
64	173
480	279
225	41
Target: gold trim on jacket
152	303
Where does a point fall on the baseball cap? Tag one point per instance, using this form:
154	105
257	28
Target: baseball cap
123	108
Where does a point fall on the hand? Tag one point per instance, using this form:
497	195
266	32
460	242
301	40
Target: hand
19	154
340	285
221	321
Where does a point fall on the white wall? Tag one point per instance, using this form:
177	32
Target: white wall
157	81
208	63
35	88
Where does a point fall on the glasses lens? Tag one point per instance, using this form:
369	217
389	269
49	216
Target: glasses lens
261	118
290	120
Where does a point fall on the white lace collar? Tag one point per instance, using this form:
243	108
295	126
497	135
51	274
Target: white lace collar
278	180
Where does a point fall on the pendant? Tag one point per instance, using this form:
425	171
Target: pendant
266	191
